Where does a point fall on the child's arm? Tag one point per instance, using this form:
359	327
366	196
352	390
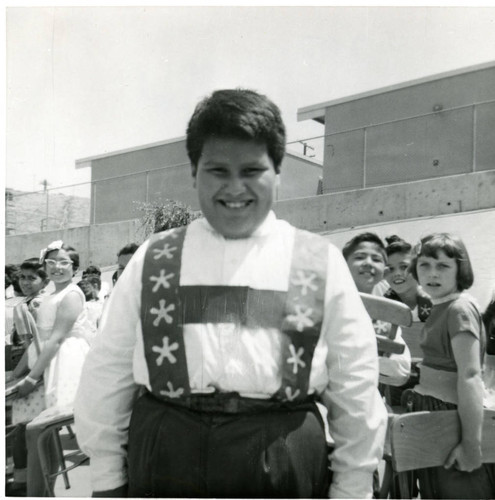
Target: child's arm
22	366
467	453
67	313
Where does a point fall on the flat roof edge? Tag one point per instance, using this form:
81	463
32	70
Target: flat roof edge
317	111
86	162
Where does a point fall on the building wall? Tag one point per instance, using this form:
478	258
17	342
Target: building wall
99	243
447	195
122	182
431	129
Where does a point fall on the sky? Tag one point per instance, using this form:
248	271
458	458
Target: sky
84	81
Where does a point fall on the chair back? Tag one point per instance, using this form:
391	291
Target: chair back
425	439
391	311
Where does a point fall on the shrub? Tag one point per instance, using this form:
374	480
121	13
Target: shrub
161	215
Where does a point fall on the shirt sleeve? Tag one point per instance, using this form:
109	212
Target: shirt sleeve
463	317
107	389
396	368
357	416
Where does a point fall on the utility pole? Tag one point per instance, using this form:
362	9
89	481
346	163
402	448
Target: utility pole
45	185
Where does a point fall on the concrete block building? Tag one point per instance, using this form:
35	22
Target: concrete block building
438	126
159	171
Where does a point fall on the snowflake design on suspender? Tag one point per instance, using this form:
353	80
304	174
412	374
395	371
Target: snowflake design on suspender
172	393
161	280
166	251
291	395
295	359
302	317
165	351
162	312
305	281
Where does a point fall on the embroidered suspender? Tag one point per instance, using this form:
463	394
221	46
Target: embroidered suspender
160	315
303	314
166	307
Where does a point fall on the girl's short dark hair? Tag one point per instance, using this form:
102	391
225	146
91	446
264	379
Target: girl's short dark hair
352	244
395	244
237	114
33	264
454	248
73	254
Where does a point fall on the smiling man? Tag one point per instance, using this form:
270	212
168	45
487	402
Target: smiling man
223	339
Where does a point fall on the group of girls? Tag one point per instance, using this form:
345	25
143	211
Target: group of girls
48	373
432	279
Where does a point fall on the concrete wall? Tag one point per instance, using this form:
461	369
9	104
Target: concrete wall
475	229
127	182
447	195
466	193
386	138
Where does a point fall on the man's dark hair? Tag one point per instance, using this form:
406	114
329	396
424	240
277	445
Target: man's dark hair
128	249
236	114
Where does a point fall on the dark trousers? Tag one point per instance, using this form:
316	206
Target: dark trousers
260	449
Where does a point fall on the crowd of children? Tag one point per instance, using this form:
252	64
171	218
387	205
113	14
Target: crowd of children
45	361
457	370
457	343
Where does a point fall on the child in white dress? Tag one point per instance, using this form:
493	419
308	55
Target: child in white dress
62	328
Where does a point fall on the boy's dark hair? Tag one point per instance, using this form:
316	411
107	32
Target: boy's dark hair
454	248
74	256
128	249
91	270
33	264
87	289
395	244
236	114
352	244
12	273
94	280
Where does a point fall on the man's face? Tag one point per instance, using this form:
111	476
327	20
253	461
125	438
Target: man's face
236	183
122	261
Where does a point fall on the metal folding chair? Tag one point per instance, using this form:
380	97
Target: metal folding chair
48	428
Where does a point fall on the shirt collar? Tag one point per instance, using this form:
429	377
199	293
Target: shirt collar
262	230
447	298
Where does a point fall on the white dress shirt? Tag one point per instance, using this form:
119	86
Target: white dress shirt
226	356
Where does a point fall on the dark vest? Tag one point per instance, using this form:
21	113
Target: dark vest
166	307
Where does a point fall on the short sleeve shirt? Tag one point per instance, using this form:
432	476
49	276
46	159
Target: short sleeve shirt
447	320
